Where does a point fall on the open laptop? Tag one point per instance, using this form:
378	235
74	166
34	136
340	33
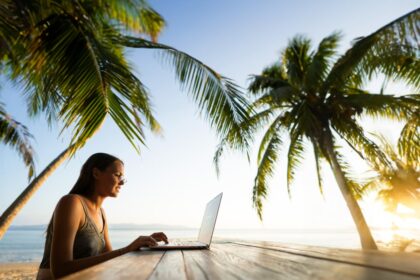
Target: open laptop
206	230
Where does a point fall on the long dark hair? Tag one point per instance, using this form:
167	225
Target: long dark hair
85	183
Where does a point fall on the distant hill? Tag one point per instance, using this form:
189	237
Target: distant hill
112	227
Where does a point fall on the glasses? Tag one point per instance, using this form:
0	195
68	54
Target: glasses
121	178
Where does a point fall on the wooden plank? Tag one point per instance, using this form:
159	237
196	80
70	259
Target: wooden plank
138	265
256	260
171	266
392	261
211	264
294	266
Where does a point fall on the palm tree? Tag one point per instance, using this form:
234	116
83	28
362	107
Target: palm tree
315	99
70	56
398	183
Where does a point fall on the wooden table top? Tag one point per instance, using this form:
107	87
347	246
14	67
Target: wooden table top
238	259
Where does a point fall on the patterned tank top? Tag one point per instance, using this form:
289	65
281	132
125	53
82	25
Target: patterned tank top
89	241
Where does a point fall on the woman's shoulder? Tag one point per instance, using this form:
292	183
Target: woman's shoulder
70	201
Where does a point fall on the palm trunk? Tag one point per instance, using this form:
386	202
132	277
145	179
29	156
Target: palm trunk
365	235
9	214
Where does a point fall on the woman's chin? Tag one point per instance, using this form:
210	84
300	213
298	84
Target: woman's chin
115	194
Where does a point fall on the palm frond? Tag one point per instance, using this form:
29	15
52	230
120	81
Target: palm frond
401	34
135	15
296	59
409	141
265	171
220	99
387	147
270	78
321	61
379	105
272	130
93	79
306	121
396	63
247	130
294	157
17	136
353	134
284	96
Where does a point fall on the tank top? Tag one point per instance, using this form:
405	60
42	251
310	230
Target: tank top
88	241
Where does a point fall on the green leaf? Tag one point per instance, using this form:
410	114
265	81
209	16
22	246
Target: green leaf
17	136
265	170
218	97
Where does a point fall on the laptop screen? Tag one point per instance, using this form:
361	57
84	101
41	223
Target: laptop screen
209	220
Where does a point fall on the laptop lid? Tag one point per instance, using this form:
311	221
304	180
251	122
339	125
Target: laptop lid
209	220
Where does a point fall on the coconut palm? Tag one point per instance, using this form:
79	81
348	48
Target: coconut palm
316	99
398	183
70	56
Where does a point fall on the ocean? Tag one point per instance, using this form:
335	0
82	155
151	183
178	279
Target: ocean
27	244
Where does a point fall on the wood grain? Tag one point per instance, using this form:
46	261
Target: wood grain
171	266
241	259
392	261
138	265
294	266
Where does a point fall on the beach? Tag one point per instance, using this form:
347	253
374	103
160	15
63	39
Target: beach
18	270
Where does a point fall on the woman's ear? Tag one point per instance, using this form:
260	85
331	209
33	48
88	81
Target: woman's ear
95	173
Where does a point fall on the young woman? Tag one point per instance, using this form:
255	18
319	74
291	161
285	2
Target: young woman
77	236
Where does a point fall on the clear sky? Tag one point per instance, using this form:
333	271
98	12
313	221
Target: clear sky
173	178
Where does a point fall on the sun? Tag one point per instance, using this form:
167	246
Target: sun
387	226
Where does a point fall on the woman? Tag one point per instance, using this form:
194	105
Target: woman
77	236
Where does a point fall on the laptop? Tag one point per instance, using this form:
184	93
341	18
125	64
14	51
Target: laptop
206	230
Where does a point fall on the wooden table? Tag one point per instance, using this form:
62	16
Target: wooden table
236	259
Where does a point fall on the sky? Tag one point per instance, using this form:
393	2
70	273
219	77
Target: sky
174	176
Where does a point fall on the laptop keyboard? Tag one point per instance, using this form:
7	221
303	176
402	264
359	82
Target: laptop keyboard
181	243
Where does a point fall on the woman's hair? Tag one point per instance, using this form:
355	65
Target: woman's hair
85	183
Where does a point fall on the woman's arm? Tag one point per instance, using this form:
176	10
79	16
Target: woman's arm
79	264
68	218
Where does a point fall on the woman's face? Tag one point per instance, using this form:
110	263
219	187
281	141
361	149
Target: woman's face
109	181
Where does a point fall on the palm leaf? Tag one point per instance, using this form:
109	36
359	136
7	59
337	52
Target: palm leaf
247	129
218	96
279	97
87	68
353	134
270	78
17	136
321	61
409	141
296	59
403	32
294	157
265	170
379	105
135	15
271	132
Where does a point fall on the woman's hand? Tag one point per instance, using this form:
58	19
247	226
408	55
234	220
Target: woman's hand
142	241
160	236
